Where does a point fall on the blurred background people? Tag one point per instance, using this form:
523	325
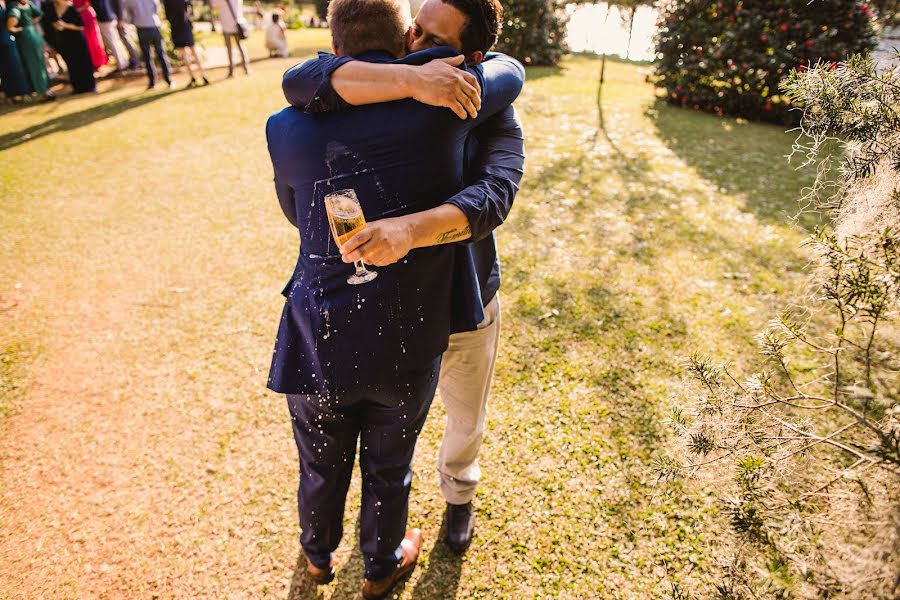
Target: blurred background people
106	21
144	14
276	40
13	79
179	13
91	32
20	20
69	40
231	16
124	36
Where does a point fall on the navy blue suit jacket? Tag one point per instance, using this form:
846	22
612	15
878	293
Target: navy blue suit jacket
494	167
400	157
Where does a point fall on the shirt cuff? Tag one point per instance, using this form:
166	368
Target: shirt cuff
473	216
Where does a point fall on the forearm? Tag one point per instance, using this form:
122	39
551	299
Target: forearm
359	82
385	241
485	204
440	225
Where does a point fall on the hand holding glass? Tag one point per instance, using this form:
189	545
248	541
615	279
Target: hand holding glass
346	219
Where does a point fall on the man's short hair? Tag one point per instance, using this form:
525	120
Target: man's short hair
483	21
361	25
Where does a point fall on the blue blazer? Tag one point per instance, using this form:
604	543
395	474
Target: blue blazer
400	157
494	166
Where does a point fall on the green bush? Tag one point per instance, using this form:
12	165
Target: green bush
534	31
728	57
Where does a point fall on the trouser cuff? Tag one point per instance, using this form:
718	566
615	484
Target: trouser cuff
379	568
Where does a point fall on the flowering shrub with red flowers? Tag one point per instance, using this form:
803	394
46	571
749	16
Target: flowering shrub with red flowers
728	57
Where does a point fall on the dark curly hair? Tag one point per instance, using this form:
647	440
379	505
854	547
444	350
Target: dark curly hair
483	21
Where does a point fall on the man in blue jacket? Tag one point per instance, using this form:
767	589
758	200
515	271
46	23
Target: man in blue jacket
495	158
362	361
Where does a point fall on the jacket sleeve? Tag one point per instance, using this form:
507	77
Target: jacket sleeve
307	86
284	191
501	78
286	199
498	166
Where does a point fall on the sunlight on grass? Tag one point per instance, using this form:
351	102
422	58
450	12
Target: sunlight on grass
151	249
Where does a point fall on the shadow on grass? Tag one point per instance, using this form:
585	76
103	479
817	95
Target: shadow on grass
302	587
749	159
441	579
648	331
79	119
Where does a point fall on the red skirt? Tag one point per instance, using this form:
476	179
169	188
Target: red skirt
92	33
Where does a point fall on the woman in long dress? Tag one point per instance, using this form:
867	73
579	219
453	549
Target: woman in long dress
72	46
20	20
12	74
92	33
231	16
178	13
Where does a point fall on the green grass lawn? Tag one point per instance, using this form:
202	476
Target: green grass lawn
143	252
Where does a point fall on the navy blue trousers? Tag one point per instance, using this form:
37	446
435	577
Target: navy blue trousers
151	36
387	420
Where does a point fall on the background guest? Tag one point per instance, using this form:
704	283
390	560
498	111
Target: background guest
106	21
124	37
276	40
144	14
231	16
71	44
179	13
12	74
20	19
91	33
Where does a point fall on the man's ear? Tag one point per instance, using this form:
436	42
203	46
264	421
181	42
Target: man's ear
410	37
475	58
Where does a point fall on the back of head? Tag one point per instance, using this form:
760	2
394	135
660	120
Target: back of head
358	26
483	21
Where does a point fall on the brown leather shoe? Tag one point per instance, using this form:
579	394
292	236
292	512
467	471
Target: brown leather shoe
319	576
411	544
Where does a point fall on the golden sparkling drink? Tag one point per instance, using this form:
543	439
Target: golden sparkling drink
345	216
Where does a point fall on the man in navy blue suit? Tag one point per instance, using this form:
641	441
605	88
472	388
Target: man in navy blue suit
495	159
362	361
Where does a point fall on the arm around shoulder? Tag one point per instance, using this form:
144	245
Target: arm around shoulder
503	78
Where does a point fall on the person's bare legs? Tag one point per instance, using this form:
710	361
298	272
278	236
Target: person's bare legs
244	62
182	54
228	49
197	60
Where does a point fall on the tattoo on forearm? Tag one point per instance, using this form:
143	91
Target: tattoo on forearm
453	235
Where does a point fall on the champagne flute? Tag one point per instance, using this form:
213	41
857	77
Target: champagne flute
346	218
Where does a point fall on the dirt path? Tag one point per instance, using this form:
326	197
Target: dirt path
126	468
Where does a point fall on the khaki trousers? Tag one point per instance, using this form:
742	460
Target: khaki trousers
110	36
467	369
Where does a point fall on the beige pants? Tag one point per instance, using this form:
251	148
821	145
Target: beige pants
465	382
110	36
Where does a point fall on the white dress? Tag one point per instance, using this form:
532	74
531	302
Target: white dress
228	23
276	40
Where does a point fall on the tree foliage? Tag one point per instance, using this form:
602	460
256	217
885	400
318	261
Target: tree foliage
321	8
728	57
534	31
813	436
